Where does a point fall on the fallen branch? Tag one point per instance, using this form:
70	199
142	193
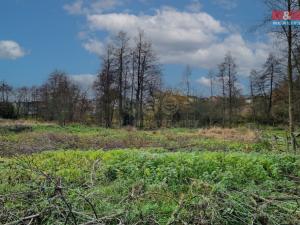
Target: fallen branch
102	219
271	202
23	219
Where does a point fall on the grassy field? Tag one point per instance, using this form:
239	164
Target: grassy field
41	137
90	175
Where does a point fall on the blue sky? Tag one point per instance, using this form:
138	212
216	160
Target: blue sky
37	37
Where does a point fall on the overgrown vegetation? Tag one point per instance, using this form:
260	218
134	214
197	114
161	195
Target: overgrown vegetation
169	176
150	186
27	137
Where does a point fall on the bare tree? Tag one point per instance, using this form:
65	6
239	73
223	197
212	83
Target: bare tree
186	87
186	80
147	70
105	88
222	79
35	101
271	75
121	53
83	107
288	34
253	78
211	77
6	107
6	91
23	100
231	83
59	96
290	77
228	78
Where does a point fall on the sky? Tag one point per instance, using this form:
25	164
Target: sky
38	37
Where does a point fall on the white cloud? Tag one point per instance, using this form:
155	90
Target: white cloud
247	55
204	81
179	37
90	6
168	29
10	50
94	46
85	81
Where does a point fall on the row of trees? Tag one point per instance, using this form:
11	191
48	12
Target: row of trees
59	99
128	91
129	80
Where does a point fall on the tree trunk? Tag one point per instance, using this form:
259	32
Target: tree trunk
290	82
253	103
132	84
271	93
223	102
138	91
121	89
230	95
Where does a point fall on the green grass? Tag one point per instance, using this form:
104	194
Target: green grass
52	137
151	185
168	176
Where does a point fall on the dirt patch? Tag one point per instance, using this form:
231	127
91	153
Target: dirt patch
238	134
35	142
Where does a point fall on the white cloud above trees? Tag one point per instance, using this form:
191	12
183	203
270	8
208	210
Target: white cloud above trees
191	37
183	37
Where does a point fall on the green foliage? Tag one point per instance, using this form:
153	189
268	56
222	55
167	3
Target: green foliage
150	185
167	176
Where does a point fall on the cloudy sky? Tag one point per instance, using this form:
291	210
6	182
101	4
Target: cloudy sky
37	36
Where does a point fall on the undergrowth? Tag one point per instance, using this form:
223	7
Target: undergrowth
43	137
150	186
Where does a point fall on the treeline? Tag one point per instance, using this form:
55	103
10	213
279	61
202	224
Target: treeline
128	90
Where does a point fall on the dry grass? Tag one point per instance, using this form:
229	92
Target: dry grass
237	134
15	138
21	122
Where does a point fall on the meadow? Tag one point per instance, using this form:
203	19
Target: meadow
89	175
